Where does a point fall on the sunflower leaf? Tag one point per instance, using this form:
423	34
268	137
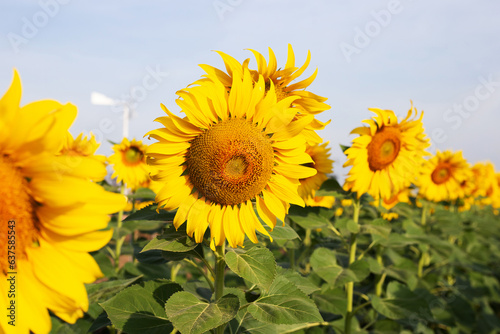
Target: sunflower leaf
172	241
150	213
284	304
192	316
257	265
140	308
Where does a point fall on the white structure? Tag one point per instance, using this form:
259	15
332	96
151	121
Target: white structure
103	100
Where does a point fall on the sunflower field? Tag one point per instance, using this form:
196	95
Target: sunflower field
227	217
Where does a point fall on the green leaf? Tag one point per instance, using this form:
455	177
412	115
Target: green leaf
284	304
172	241
99	292
331	300
143	193
324	263
303	283
357	271
283	233
378	228
140	309
192	316
352	226
401	303
257	265
310	217
149	213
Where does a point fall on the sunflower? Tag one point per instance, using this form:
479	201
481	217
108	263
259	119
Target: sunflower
235	148
386	155
50	199
82	146
282	81
129	164
402	196
321	201
484	181
442	176
320	155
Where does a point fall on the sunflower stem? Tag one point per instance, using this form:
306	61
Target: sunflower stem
220	268
423	222
120	240
352	258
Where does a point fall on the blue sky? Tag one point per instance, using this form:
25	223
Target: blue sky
444	56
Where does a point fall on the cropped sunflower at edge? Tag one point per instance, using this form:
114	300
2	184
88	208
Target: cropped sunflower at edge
387	154
236	148
49	190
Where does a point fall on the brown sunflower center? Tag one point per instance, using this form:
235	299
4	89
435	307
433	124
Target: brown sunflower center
441	173
384	148
18	221
132	156
231	162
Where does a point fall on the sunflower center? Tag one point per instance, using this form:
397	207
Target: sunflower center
132	156
17	215
441	173
231	162
384	148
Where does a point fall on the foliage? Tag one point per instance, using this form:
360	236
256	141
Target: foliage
428	271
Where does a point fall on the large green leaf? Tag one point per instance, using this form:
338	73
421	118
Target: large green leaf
310	217
324	264
401	303
257	265
303	283
192	316
284	304
99	292
140	309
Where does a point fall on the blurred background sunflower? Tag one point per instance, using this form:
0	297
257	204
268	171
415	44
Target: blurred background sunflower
387	154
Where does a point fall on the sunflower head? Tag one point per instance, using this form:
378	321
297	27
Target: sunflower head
442	177
320	156
129	163
386	155
238	152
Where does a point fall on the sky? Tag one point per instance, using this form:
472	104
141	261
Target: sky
441	55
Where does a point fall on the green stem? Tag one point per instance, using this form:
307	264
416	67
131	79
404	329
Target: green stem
352	258
220	267
423	222
194	264
119	241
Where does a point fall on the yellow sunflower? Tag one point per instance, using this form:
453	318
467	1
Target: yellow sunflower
282	80
321	201
403	196
320	155
129	163
235	148
82	146
386	155
49	199
484	181
441	177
